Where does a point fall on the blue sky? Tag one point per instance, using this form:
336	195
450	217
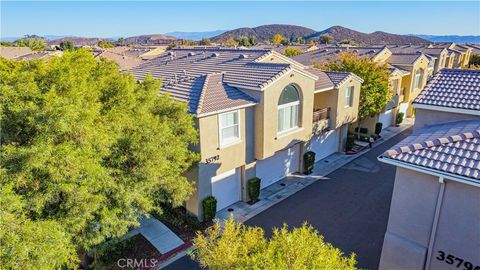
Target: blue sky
125	18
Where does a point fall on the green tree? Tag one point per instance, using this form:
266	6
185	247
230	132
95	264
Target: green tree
238	246
85	152
253	40
205	42
244	41
474	60
230	42
349	42
34	43
105	44
292	52
325	39
374	93
121	41
67	45
277	39
7	44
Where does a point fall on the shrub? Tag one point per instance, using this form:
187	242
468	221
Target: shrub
350	142
308	161
209	208
378	128
399	118
254	188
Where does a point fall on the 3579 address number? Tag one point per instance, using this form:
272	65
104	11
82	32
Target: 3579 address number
458	262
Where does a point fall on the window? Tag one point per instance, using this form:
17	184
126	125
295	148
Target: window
229	128
348	96
288	106
418	79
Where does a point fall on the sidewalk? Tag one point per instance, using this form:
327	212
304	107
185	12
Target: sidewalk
286	187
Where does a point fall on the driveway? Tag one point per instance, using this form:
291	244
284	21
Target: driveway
350	208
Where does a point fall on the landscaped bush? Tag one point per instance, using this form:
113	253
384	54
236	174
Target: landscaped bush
209	208
350	142
378	128
254	188
308	162
399	118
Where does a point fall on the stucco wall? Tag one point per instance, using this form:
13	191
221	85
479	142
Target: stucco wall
415	199
429	117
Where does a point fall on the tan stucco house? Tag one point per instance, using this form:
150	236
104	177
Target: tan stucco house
257	113
435	209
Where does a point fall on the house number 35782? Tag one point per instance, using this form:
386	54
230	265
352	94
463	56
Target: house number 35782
212	159
456	261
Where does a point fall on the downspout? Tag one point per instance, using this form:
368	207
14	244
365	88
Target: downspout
438	208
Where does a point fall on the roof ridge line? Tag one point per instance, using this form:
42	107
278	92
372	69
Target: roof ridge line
202	94
431	143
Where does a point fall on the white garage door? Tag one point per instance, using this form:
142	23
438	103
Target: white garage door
275	168
403	108
226	188
325	144
386	118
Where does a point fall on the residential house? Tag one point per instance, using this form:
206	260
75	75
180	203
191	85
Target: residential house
131	56
434	214
459	55
25	53
409	73
257	113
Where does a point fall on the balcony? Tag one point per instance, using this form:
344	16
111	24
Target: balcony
321	120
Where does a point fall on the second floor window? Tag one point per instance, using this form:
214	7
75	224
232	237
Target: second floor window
349	96
418	79
395	84
229	128
288	109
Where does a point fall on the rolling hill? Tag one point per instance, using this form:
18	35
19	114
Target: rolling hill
266	32
338	33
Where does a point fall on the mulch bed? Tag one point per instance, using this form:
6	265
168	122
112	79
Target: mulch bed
139	249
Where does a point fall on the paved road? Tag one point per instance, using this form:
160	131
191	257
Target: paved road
350	208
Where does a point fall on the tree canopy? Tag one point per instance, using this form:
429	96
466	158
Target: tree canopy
33	42
374	93
85	152
277	39
230	42
237	246
325	39
292	52
67	45
205	42
105	44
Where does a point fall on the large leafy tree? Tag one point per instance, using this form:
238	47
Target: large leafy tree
33	42
374	93
238	246
85	152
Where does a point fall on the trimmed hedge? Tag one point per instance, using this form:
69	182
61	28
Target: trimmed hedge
308	162
399	118
254	188
209	208
378	128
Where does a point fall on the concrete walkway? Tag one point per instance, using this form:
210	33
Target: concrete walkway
288	186
159	235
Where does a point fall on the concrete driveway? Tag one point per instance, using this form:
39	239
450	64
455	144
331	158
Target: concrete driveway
350	208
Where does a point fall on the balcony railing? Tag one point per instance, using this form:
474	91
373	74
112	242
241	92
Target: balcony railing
321	114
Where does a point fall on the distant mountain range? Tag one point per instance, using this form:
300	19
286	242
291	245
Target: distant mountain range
196	35
451	38
266	32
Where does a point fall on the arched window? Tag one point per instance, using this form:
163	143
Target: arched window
288	108
418	79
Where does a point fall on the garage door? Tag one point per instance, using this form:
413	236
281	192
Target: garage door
325	144
275	168
386	118
403	108
226	188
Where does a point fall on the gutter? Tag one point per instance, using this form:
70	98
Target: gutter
450	176
445	109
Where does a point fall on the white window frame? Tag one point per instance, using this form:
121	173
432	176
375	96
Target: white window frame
418	75
230	141
291	104
349	96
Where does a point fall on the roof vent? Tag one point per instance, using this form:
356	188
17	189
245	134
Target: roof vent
243	56
171	53
215	54
191	54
